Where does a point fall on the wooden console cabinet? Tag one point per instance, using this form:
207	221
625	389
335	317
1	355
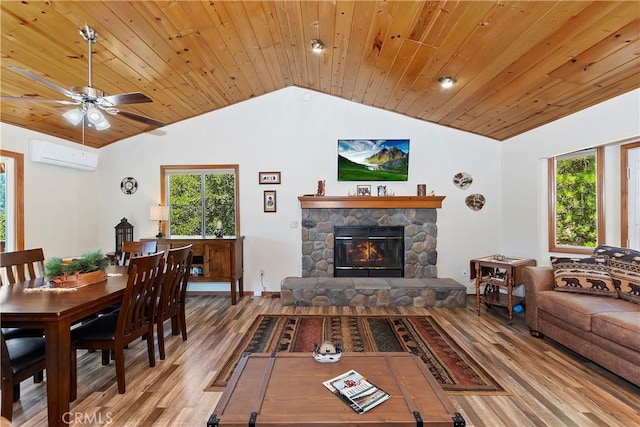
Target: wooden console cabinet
214	260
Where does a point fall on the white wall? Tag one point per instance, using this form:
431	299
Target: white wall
524	180
283	132
68	211
60	204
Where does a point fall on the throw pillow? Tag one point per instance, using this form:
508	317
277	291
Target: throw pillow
616	252
583	275
625	275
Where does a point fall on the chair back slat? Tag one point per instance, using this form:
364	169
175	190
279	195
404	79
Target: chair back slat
175	279
135	249
19	266
138	302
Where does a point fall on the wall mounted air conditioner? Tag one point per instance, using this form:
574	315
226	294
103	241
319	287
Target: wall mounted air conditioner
61	155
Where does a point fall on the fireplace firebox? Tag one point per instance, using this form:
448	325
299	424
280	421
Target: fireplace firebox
369	251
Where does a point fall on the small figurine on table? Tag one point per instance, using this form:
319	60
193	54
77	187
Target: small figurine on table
327	352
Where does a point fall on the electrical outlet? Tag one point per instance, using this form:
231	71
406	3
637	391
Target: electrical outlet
261	273
465	273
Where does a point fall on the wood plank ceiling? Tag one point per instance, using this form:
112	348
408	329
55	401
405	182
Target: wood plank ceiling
518	65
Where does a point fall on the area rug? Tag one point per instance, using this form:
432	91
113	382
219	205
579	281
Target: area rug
455	370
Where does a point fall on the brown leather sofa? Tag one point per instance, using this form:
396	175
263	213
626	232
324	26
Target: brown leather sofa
603	329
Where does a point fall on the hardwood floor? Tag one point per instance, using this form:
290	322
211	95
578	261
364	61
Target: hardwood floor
548	384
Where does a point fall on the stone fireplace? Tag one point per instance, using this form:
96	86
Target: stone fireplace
368	251
418	224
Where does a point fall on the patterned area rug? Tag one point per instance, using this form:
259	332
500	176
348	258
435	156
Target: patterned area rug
455	370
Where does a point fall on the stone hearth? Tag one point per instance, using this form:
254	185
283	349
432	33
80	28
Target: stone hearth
371	292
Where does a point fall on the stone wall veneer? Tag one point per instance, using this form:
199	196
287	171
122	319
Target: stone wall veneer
420	237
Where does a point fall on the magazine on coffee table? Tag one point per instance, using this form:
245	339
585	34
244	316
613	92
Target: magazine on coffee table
356	391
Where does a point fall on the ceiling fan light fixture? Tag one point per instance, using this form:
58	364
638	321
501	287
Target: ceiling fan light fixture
446	82
317	46
74	116
97	119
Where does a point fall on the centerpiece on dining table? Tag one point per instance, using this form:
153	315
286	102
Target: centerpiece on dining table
77	271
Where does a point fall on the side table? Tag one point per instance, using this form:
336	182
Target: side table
496	272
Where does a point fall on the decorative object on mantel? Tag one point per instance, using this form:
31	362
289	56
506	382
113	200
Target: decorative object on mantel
321	188
269	201
218	231
462	180
75	272
363	190
382	190
422	189
475	201
269	177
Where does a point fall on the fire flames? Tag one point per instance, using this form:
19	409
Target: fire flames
365	252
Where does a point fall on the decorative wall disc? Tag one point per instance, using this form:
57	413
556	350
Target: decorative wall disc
475	202
462	180
129	185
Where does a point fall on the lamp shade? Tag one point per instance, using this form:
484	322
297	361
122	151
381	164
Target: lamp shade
74	116
159	213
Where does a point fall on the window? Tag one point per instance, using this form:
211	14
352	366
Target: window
200	197
576	213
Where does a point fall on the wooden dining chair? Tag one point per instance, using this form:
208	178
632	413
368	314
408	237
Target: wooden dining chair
172	295
20	266
114	331
134	249
21	358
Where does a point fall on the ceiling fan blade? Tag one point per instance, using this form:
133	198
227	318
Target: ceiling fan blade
40	100
139	118
42	80
127	98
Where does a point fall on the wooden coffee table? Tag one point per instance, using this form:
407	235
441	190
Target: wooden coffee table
285	389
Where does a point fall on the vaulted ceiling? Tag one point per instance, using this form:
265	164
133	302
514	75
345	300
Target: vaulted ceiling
518	65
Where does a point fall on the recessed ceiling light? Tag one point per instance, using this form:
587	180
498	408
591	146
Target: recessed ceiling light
317	46
446	82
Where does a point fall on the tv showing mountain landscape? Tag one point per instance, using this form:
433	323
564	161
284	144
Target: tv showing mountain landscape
373	159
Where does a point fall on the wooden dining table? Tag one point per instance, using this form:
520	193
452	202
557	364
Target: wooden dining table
55	312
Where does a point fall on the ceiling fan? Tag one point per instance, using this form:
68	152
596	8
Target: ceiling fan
90	100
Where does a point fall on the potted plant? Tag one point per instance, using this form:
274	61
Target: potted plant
88	269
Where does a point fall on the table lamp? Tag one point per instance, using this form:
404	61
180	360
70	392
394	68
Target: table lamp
159	213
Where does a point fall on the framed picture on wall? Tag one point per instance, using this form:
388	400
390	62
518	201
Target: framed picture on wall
269	177
373	160
269	201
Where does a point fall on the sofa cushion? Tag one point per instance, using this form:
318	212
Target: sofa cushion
578	309
624	268
622	327
583	275
616	252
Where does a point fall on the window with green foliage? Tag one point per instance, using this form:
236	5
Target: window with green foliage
200	197
576	223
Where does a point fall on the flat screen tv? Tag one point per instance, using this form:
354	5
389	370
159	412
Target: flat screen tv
373	159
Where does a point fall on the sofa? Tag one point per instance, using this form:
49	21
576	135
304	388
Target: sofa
590	305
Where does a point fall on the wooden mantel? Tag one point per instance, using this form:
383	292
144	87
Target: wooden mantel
370	202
